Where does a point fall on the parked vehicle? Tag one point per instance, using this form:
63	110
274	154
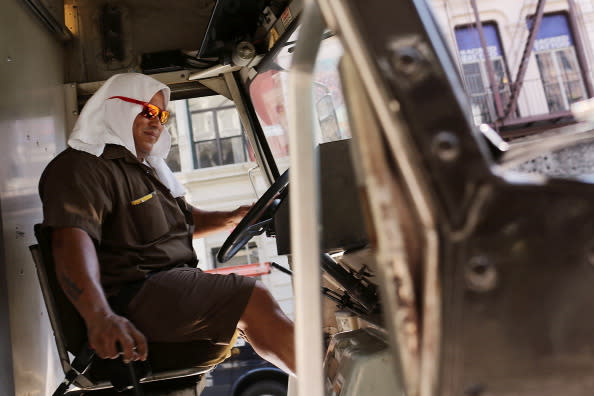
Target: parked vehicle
245	374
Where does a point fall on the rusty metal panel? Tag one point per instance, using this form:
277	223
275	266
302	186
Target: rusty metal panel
32	131
518	295
514	269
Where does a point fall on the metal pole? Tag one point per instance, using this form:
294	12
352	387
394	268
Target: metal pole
237	95
488	63
579	46
304	209
517	85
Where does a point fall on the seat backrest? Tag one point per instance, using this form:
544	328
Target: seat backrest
167	360
68	325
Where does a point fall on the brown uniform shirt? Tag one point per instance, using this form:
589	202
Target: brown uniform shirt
137	225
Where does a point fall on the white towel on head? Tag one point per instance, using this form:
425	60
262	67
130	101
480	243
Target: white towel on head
109	121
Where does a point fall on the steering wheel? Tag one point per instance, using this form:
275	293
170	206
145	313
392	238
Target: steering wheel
257	220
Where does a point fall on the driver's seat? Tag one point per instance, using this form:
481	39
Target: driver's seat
178	363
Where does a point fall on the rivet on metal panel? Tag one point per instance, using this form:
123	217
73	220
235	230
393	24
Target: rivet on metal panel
410	57
406	59
243	53
394	105
446	146
480	274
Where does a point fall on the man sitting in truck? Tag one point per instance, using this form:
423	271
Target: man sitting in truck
122	237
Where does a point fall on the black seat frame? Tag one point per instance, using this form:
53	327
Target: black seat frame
168	361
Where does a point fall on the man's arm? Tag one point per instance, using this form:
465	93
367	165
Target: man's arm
77	269
207	222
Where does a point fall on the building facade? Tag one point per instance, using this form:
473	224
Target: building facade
495	53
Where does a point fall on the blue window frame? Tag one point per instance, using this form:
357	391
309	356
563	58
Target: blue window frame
474	70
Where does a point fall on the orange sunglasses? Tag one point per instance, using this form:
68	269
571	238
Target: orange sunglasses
149	110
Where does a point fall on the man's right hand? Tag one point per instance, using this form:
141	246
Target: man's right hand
111	334
77	269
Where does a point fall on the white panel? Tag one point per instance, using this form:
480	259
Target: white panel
32	131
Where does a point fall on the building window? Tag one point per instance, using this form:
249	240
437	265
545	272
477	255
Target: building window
474	70
216	132
557	62
246	255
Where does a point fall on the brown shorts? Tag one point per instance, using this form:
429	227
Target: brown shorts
187	304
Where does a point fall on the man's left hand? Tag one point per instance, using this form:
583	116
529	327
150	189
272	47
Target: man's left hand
237	215
208	222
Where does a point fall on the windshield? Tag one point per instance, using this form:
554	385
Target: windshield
269	94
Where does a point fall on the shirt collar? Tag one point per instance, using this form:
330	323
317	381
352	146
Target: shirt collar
114	151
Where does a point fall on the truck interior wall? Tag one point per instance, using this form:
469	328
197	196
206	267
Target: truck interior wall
144	26
32	132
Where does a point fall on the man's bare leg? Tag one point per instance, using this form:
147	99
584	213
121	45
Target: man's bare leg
268	329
